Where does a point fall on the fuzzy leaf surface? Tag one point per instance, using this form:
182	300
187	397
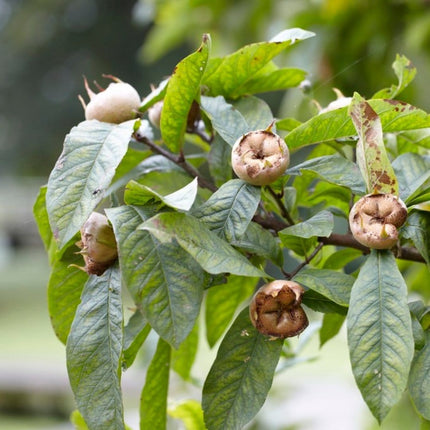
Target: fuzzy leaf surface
230	209
213	254
334	169
92	151
372	158
94	350
164	280
380	333
240	377
226	76
320	225
419	380
394	115
417	229
183	357
182	89
256	112
153	400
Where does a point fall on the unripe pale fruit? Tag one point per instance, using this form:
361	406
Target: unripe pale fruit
260	157
275	309
98	244
154	113
375	218
117	103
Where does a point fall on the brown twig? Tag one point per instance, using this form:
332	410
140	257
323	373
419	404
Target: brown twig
284	211
308	259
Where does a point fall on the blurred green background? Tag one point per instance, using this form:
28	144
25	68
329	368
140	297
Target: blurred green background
46	46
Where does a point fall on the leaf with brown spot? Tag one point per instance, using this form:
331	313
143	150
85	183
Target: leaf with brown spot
372	158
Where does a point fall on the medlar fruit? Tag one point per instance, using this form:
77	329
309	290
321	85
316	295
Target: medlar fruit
154	113
98	244
275	309
260	157
115	104
375	218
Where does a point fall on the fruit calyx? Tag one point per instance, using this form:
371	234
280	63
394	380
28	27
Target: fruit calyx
276	311
97	244
117	103
375	218
260	157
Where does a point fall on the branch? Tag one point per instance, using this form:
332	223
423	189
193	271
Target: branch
177	159
304	263
282	208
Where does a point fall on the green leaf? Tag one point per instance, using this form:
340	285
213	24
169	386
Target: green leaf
256	112
394	115
78	421
135	333
420	137
182	199
320	225
183	88
153	400
213	254
183	357
336	286
154	96
65	286
405	72
227	75
94	350
219	160
271	79
380	333
335	169
339	259
190	413
319	303
331	325
226	120
412	170
298	245
77	184
230	209
222	302
164	281
372	158
417	229
419	380
240	377
258	240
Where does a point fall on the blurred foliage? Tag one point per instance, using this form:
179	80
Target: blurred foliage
46	46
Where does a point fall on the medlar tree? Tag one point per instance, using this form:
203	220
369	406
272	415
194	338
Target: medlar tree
161	213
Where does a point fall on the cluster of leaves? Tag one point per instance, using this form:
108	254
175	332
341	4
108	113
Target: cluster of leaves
188	233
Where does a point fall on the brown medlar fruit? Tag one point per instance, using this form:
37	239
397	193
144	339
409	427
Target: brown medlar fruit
115	104
375	218
260	157
98	244
275	309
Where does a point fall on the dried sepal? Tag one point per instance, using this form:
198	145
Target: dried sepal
275	309
374	220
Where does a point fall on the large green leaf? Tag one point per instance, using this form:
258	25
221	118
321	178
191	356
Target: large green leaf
412	170
94	350
226	120
164	280
257	112
230	209
225	76
331	325
320	225
64	291
419	379
153	400
336	286
380	333
222	302
394	115
372	158
417	229
183	88
213	254
405	72
190	413
183	357
77	184
335	169
240	377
